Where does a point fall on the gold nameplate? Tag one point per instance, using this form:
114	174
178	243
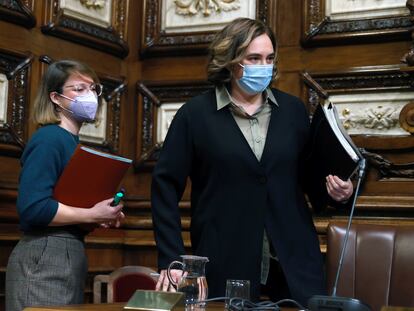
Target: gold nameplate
155	301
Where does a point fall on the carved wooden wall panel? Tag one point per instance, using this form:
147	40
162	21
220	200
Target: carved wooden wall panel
390	157
79	25
141	90
155	40
15	68
19	12
152	97
322	29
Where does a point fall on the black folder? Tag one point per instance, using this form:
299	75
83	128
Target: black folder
332	152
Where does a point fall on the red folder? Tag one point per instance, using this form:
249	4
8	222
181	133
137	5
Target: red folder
90	177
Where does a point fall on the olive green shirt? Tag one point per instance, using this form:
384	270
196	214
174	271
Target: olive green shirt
254	128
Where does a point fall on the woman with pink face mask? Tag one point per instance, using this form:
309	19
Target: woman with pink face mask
243	145
48	266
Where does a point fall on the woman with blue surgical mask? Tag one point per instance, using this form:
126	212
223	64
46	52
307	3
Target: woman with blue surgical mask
48	266
243	146
255	78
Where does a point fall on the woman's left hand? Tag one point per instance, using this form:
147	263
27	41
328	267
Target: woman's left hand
338	189
114	224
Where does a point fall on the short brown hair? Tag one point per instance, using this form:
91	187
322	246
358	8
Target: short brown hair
57	73
229	46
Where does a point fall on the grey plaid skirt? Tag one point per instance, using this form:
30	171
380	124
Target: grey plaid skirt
46	270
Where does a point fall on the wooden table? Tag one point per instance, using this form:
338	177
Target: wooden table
211	306
89	307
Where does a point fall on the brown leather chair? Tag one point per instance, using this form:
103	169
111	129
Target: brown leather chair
122	283
378	266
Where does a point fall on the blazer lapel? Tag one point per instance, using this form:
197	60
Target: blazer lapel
236	136
269	144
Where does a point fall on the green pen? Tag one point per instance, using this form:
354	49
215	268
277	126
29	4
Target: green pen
117	197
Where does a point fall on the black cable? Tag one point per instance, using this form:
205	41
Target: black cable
240	304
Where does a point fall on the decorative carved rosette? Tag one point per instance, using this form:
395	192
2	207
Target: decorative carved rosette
407	117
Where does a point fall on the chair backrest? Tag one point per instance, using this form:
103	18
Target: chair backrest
123	282
378	266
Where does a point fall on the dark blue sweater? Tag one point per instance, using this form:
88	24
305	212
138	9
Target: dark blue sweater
43	161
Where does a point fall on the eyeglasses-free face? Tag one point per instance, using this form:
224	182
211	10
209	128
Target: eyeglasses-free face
84	88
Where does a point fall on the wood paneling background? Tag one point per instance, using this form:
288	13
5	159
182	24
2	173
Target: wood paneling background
384	199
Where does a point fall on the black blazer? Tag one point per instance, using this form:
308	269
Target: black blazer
235	197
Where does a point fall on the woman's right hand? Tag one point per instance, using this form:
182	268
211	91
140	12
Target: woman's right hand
164	283
103	212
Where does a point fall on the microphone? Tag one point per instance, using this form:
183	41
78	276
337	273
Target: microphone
333	302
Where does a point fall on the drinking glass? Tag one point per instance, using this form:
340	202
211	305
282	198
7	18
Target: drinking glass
237	289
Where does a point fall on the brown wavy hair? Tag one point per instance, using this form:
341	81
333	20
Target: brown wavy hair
229	47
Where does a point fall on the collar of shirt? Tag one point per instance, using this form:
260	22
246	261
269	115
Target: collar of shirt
223	97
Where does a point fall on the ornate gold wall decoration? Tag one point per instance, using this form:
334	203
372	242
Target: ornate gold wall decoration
193	7
93	4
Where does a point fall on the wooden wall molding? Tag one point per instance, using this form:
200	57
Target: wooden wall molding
388	78
110	40
155	42
13	133
388	168
152	95
408	57
321	30
170	67
113	93
363	79
18	12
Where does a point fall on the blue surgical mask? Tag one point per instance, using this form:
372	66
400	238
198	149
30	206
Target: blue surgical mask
256	78
83	108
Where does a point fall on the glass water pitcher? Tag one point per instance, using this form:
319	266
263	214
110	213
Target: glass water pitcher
192	281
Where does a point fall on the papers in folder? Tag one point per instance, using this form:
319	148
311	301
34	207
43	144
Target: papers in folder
335	123
332	150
